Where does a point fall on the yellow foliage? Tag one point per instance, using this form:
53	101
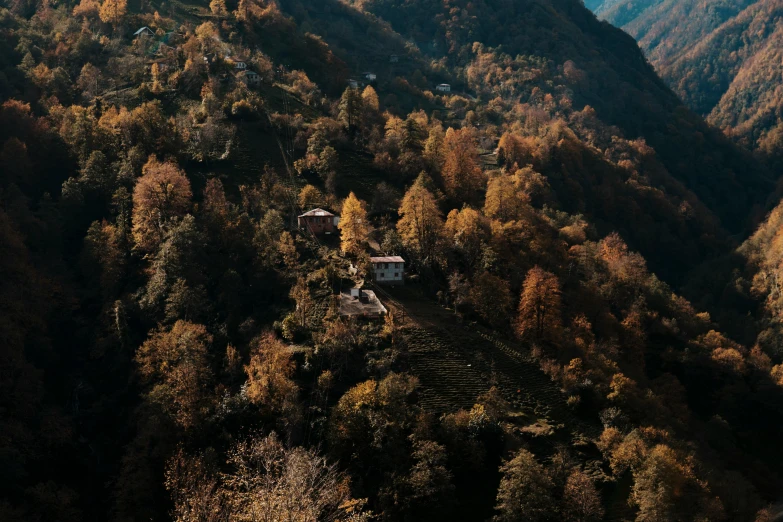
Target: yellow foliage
113	11
354	226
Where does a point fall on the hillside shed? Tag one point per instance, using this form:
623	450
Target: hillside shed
144	31
443	87
388	269
358	302
318	221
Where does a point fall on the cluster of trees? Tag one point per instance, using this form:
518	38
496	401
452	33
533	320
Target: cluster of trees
719	174
177	338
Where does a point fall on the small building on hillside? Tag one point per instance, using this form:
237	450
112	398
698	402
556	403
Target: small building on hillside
318	221
239	65
144	31
369	76
249	78
361	303
394	58
353	84
443	87
388	269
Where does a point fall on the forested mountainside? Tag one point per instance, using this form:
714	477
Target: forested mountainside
721	57
179	344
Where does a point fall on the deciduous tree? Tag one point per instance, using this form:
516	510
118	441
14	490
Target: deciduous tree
218	7
310	197
467	229
269	377
175	363
525	491
287	249
490	297
161	195
581	501
266	481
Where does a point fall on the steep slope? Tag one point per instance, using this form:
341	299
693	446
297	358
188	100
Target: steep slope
167	350
609	74
721	57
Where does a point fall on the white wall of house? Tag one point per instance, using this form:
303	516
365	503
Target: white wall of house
389	272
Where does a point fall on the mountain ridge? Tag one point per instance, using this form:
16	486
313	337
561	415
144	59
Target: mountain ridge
720	58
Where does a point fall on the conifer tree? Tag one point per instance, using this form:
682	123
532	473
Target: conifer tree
421	222
370	98
539	308
353	225
461	172
350	108
113	11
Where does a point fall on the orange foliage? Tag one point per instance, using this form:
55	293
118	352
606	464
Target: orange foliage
161	195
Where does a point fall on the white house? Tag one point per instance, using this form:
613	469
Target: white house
388	269
249	78
443	87
370	77
353	84
144	31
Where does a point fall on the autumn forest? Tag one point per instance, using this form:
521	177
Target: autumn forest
357	260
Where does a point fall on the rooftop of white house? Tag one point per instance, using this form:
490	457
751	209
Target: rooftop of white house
387	259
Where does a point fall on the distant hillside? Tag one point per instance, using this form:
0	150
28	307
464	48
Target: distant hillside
618	83
721	57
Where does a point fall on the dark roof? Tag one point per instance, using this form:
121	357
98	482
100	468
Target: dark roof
317	212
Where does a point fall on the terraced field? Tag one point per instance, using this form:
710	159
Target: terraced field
448	380
456	363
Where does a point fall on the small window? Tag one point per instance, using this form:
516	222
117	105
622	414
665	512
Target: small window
396	275
380	275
